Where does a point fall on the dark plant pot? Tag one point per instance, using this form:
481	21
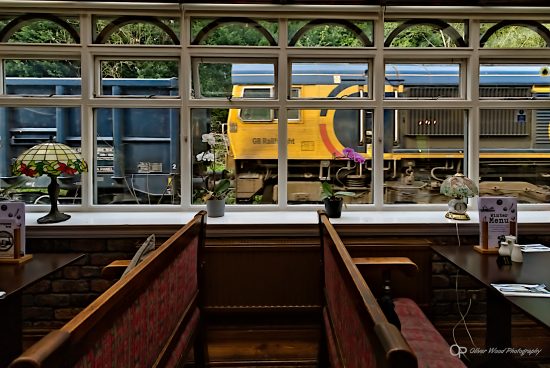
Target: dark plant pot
333	207
215	207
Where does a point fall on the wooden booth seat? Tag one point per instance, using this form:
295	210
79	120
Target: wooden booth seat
148	318
358	333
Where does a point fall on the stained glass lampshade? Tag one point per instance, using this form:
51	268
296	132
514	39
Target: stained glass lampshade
458	187
52	159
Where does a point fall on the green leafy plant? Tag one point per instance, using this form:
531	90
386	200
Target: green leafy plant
213	188
328	192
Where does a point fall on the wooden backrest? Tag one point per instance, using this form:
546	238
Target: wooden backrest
358	333
147	319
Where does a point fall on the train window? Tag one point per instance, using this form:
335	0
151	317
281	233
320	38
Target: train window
330	80
515	154
147	78
138	156
330	33
294	115
515	34
24	127
257	114
136	30
40	28
213	79
421	148
236	31
422	81
425	33
38	77
514	81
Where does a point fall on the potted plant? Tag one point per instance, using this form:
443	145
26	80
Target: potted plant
216	186
332	198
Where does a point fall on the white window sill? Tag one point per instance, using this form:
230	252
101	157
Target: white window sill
102	224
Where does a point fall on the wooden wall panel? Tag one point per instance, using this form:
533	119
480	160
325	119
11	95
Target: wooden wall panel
262	273
417	287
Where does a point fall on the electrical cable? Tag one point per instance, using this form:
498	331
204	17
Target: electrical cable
462	315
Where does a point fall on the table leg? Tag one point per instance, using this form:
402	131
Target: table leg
499	322
11	335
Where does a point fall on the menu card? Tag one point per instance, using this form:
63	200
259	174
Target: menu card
537	290
497	216
12	229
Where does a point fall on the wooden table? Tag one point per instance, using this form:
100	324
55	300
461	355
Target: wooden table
13	279
483	267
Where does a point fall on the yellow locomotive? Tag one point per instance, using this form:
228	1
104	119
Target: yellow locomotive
421	146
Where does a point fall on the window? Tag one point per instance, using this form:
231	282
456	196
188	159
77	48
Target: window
418	95
421	148
150	78
422	81
137	156
331	80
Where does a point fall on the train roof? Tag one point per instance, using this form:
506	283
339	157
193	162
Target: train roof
139	82
407	74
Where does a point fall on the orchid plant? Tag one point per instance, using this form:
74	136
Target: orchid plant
213	188
327	189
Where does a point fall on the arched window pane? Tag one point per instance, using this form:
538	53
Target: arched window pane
330	33
30	28
237	31
127	30
515	34
425	33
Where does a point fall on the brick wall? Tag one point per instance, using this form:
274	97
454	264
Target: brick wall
52	301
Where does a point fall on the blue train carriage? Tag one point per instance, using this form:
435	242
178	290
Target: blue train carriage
137	150
421	146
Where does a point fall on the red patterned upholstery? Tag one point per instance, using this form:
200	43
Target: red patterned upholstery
430	347
357	333
355	348
150	317
137	336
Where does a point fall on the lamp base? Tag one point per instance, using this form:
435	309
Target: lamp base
457	216
52	218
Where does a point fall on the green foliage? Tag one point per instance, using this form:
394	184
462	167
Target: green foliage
215	79
139	69
43	68
421	36
329	35
513	37
236	34
140	33
44	31
328	192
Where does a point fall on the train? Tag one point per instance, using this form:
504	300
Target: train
138	149
421	146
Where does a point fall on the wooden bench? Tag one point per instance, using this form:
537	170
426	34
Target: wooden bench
148	318
358	333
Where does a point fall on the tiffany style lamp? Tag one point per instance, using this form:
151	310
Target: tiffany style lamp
52	159
458	187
